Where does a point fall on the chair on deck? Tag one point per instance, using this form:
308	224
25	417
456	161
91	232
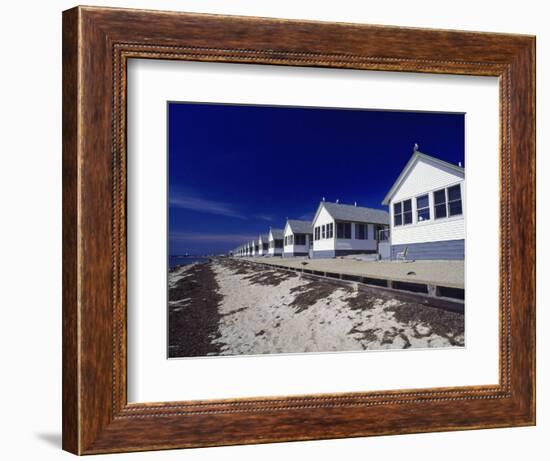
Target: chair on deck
402	255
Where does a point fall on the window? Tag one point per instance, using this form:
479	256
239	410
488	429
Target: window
330	230
440	204
407	212
422	208
265	246
323	231
317	233
397	214
343	230
448	202
402	213
361	231
455	200
300	239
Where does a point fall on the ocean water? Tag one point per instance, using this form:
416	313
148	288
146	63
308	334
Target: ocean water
174	261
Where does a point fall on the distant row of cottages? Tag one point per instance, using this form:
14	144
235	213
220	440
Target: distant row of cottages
427	221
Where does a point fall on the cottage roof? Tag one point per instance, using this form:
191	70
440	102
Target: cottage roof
277	234
299	227
342	212
410	164
263	238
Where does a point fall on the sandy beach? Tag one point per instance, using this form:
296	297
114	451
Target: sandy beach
231	307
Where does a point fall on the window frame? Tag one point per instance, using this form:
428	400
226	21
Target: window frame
436	204
419	209
361	228
449	201
400	214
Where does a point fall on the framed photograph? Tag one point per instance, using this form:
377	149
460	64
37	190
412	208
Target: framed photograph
280	230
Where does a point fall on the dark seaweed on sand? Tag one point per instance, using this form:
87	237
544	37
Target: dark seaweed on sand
194	324
441	322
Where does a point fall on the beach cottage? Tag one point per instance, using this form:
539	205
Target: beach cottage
427	210
340	230
275	238
263	245
253	248
298	238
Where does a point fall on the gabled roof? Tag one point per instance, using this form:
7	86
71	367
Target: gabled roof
277	233
412	161
299	227
342	212
263	238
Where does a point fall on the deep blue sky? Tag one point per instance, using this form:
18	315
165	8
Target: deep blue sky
236	170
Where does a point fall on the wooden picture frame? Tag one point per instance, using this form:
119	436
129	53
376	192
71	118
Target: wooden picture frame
97	43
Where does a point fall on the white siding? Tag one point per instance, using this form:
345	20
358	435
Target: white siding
273	251
438	231
286	233
426	177
342	244
295	248
261	251
324	244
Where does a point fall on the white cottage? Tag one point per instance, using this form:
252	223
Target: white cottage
253	248
275	239
298	238
427	210
340	229
262	245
